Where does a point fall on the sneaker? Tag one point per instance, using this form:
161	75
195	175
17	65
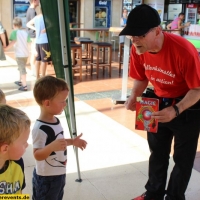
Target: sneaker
23	88
143	197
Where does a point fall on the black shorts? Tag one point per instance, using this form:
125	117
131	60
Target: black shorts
43	52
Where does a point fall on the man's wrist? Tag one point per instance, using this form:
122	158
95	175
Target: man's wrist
176	110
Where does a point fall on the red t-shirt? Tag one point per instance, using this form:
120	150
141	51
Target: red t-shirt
173	71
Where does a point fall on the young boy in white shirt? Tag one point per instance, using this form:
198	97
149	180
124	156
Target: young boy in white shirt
49	144
19	39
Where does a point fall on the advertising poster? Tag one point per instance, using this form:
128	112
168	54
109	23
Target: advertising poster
130	4
160	9
102	14
127	4
19	10
158	5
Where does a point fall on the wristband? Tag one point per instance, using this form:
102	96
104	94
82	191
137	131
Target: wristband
176	110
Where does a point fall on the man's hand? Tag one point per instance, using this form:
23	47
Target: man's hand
137	90
77	142
164	115
130	103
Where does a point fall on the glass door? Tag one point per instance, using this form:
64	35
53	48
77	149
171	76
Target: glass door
73	13
74	9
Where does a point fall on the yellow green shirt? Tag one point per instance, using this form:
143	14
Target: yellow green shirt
12	179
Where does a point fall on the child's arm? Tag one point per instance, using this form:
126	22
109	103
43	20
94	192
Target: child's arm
11	44
43	31
3	39
57	145
77	142
31	23
13	39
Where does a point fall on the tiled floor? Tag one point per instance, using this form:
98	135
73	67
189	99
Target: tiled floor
99	92
116	155
99	95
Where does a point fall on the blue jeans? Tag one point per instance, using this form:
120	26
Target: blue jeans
48	187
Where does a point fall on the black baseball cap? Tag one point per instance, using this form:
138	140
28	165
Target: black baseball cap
140	20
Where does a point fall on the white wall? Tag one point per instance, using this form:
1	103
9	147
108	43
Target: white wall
158	5
6	13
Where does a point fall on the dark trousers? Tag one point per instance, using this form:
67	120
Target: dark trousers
185	131
48	187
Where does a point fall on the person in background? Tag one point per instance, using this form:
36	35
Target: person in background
19	39
177	24
123	21
157	57
42	47
49	144
124	17
2	97
30	14
71	21
14	133
2	42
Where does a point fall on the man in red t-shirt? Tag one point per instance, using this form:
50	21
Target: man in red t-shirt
172	65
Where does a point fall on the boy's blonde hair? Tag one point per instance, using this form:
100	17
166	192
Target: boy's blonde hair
12	123
2	96
47	87
17	22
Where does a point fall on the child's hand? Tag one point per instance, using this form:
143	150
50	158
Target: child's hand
43	31
79	142
59	145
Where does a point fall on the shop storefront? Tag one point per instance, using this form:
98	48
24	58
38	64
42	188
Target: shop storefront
83	13
104	13
191	8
